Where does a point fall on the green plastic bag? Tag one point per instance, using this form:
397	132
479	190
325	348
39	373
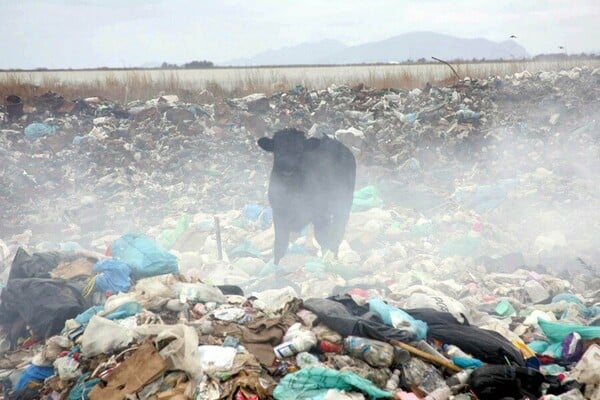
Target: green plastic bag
366	198
169	237
556	331
313	382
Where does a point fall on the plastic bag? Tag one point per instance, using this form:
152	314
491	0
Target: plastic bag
198	292
67	367
153	292
82	387
38	130
366	198
103	336
439	303
144	256
500	381
113	276
316	381
215	359
556	331
34	373
274	299
397	318
587	371
169	237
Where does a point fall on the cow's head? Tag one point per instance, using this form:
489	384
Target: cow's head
288	147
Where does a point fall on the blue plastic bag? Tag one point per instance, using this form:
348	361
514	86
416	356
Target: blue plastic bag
38	130
34	373
390	315
467	362
82	388
144	256
125	310
255	212
113	275
85	316
586	312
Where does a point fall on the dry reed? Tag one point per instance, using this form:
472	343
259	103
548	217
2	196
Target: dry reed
144	85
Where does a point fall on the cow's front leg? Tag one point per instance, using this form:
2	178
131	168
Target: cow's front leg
282	239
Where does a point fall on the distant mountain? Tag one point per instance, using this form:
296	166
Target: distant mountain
305	53
408	46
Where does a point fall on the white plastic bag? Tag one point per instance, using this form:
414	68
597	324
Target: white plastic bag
198	292
67	367
216	358
587	371
103	335
439	303
274	299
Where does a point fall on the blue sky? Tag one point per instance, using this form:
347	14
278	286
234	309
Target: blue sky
126	33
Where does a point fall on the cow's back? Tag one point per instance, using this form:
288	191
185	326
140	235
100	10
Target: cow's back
330	173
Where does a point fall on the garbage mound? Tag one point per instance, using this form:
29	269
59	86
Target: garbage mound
135	242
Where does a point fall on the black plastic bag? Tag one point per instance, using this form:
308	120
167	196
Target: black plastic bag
36	265
44	304
485	345
494	382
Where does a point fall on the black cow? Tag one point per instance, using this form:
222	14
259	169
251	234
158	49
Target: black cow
312	181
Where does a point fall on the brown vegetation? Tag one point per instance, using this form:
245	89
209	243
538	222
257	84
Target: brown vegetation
143	85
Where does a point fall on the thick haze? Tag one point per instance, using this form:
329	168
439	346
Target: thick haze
116	33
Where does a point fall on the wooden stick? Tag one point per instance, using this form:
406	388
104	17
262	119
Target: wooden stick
218	234
427	356
452	68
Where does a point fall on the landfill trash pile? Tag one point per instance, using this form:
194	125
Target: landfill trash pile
136	239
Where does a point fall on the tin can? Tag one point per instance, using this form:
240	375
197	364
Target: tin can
326	346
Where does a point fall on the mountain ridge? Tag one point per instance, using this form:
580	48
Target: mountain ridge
399	48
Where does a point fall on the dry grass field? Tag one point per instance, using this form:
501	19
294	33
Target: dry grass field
128	85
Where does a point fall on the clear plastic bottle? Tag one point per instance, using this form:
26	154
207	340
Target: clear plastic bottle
394	381
455	351
377	354
423	375
460	378
442	393
426	347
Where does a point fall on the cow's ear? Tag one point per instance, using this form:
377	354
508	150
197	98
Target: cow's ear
266	143
311	143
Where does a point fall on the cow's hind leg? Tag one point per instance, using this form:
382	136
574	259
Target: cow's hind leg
325	233
337	229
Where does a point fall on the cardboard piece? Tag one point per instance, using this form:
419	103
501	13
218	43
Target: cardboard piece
129	377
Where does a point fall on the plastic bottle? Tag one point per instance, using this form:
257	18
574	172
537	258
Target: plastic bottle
460	378
377	354
301	341
394	381
454	351
426	347
423	375
285	349
442	393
